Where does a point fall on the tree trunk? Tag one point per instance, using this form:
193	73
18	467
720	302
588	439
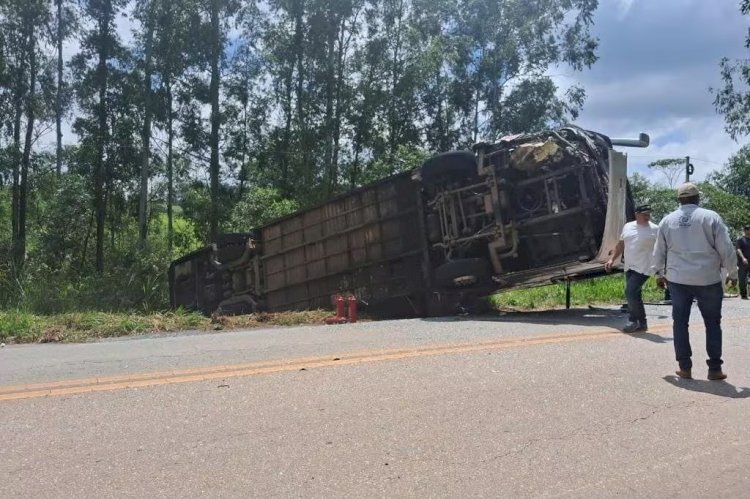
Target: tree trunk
170	169
343	46
19	93
286	140
86	243
146	135
475	122
330	76
299	11
440	120
26	160
215	120
100	203
58	96
393	118
16	170
243	157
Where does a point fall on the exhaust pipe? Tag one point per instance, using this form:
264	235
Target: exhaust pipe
642	141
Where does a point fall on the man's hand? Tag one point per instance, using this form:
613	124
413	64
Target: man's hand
731	282
661	282
608	265
744	261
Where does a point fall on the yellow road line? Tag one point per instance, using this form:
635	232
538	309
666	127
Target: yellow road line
109	383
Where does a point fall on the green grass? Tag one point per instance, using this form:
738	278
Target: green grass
599	291
23	327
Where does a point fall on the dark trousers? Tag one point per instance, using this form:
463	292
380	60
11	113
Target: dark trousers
742	272
709	303
633	293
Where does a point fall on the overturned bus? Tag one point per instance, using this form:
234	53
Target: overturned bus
528	210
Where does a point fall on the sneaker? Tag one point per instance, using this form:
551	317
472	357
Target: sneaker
716	374
684	373
635	327
744	297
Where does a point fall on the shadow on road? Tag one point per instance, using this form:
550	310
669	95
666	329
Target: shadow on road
719	388
653	338
592	316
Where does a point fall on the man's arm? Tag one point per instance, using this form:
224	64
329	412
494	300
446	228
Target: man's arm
618	252
659	256
740	254
726	250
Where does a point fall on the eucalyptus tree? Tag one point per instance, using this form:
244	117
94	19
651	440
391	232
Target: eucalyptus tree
210	27
92	69
220	14
15	65
27	74
389	82
505	52
146	14
66	26
392	57
246	111
173	54
282	42
440	119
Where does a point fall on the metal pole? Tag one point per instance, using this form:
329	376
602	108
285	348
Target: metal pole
642	141
687	168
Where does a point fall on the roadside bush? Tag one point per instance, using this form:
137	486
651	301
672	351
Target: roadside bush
258	206
135	279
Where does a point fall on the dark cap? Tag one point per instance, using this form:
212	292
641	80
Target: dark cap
746	227
642	208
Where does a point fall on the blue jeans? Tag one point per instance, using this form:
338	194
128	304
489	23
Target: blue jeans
709	303
742	272
633	285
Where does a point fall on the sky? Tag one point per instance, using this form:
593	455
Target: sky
657	61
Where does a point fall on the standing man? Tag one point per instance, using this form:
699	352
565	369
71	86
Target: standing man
692	247
637	241
743	255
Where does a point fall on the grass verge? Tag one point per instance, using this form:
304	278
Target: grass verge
23	327
607	290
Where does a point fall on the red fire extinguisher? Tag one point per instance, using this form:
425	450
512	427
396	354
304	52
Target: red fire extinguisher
339	307
352	308
339	318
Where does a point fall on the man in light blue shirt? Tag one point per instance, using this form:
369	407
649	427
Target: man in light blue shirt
692	246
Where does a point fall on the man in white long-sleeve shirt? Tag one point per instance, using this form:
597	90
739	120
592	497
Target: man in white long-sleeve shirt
692	246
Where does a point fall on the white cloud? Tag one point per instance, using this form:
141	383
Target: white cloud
623	8
704	141
653	76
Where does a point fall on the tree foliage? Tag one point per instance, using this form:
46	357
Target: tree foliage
671	168
201	116
733	208
258	206
733	99
663	200
735	176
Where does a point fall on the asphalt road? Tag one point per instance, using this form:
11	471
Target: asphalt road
556	404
